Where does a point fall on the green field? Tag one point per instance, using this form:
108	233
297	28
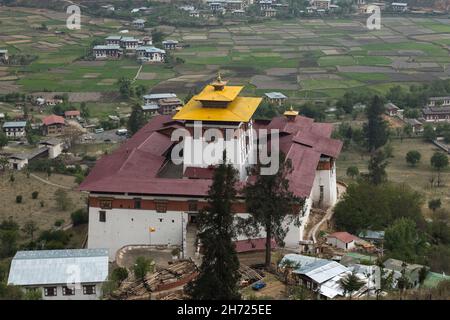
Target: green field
271	56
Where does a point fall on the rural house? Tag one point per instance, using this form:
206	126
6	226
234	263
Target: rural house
139	187
150	109
169	105
372	236
438	102
139	23
72	114
129	43
54	146
399	6
155	97
76	274
170	44
18	161
392	110
321	4
342	240
270	12
109	51
3	55
150	54
15	129
53	125
411	271
416	125
276	98
113	40
436	114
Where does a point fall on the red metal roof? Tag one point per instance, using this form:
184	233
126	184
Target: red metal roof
53	119
134	167
343	236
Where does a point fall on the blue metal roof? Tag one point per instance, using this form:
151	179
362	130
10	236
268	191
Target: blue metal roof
59	267
15	124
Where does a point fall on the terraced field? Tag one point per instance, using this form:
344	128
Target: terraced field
307	59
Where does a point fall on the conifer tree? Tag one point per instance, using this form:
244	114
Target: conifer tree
219	276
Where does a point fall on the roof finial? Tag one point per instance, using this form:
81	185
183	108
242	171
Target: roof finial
219	77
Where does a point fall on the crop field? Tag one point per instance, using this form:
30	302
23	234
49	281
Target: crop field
305	59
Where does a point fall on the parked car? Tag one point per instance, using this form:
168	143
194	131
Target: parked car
99	130
258	285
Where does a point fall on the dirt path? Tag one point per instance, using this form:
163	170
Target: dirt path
138	73
49	183
312	234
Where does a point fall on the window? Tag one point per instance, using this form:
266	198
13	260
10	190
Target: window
193	205
321	194
105	204
89	289
137	203
68	291
102	216
50	291
161	206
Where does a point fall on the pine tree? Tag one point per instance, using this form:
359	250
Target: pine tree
218	278
377	168
350	284
375	129
137	119
270	203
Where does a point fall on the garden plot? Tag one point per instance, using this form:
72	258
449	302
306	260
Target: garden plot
266	82
280	72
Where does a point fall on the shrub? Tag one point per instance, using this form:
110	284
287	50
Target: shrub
175	252
18	199
119	274
80	216
34	195
59	222
42	203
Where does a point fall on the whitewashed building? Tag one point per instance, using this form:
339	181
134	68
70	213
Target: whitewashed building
76	274
15	129
150	54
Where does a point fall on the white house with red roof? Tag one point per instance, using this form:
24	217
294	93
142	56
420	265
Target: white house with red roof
342	240
139	194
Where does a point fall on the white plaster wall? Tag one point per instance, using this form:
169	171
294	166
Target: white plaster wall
326	178
78	292
131	227
54	151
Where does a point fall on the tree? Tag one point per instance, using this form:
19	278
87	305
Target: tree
141	267
119	275
270	203
3	140
81	216
125	88
84	111
8	242
439	161
375	130
352	172
413	157
402	240
408	130
377	167
350	283
428	132
29	228
137	119
434	204
219	276
62	199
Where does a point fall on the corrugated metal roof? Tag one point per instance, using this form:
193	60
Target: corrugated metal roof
15	124
275	95
58	266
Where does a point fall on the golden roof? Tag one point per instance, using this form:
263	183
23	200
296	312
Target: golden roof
241	109
291	112
227	94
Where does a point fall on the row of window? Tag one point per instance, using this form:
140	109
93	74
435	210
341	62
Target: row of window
160	205
66	291
102	217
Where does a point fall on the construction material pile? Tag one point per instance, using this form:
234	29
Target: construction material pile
248	275
171	278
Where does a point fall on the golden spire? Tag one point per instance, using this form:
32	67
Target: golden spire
291	113
219	84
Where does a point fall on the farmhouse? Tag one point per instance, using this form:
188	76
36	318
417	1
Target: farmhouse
155	97
399	6
3	55
76	274
411	271
392	110
170	44
15	129
438	102
109	51
19	160
140	194
139	23
151	109
150	54
323	276
372	236
436	114
129	43
342	240
113	40
415	124
321	4
54	146
53	125
72	114
270	12
169	105
276	98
